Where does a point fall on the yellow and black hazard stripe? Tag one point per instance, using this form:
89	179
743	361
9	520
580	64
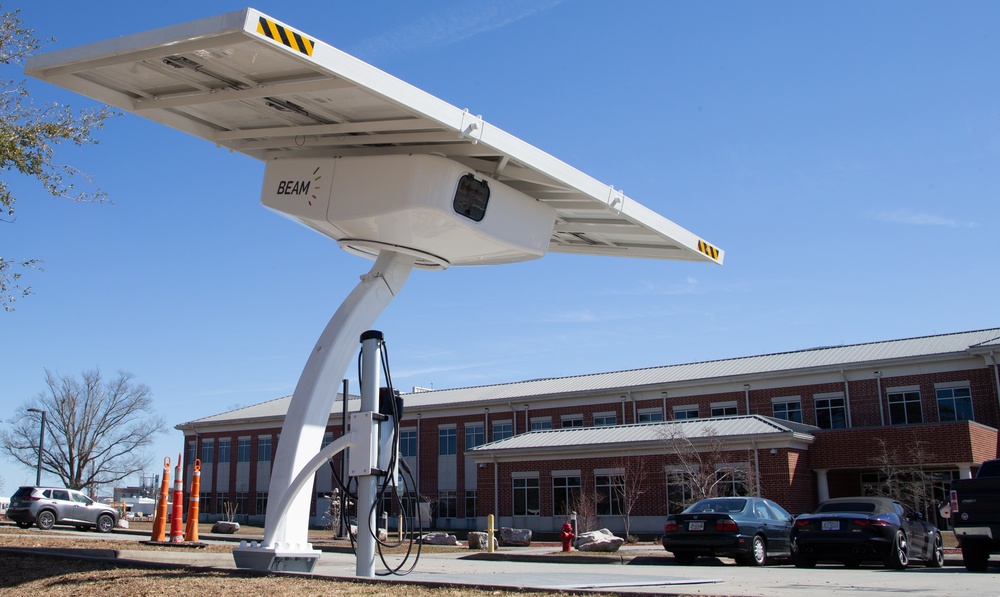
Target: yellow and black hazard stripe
285	36
708	249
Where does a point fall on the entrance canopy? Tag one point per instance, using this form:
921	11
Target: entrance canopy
252	84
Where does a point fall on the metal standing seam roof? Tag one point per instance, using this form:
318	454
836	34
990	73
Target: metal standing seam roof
833	356
959	343
615	435
248	82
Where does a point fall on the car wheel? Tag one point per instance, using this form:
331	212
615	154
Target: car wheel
758	552
936	558
802	561
24	524
897	557
105	523
975	556
45	520
684	558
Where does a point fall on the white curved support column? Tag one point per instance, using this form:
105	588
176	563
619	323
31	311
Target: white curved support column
286	543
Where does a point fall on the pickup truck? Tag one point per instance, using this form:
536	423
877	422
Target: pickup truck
975	515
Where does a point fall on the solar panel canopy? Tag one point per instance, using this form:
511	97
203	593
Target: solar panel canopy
252	84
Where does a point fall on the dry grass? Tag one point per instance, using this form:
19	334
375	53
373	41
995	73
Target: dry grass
53	575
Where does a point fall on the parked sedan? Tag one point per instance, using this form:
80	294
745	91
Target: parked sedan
858	529
751	530
49	506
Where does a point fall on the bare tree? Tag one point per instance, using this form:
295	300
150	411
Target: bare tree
706	466
629	486
95	431
28	135
904	478
585	506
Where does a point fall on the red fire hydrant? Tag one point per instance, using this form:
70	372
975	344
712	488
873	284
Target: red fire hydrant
567	536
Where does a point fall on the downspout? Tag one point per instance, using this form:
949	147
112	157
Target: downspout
746	396
513	419
527	421
756	465
486	429
623	410
496	491
664	407
635	412
847	396
418	461
996	374
881	411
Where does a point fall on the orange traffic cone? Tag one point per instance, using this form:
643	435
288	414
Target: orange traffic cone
191	531
160	521
177	515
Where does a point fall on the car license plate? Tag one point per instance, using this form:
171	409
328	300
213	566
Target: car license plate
696	526
831	525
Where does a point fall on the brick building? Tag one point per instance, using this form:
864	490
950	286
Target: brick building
795	427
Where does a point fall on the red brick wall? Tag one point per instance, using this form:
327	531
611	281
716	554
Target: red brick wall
942	443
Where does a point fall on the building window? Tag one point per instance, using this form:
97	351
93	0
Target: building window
732	481
680	492
408	443
605	419
541	423
225	447
724	409
954	404
261	502
565	495
789	410
686	412
831	413
242	502
192	449
447	506
327	439
207	450
447	441
650	415
526	497
221	502
470	503
243	451
904	408
571	421
205	504
264	450
475	435
609	490
502	430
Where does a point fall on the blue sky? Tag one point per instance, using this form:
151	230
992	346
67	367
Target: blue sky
844	154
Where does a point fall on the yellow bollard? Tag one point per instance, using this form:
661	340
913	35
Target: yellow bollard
191	531
489	533
160	521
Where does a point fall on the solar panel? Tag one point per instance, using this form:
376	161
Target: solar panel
252	84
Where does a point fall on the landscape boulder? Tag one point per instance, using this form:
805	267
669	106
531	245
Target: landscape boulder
439	539
225	528
478	540
515	537
600	540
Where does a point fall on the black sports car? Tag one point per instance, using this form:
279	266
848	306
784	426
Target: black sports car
858	529
749	529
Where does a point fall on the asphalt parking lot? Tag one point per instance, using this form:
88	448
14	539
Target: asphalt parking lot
633	570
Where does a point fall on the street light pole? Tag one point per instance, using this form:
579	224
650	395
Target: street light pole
41	445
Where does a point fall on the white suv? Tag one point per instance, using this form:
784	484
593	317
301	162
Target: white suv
49	506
